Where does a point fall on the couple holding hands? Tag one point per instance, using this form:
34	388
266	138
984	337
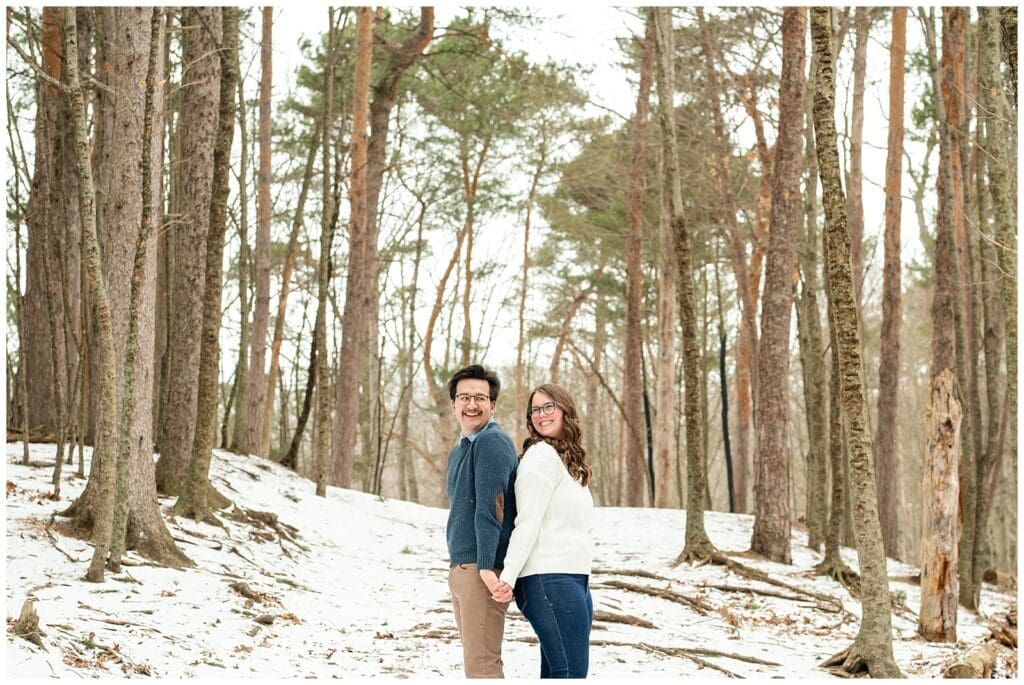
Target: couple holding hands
518	527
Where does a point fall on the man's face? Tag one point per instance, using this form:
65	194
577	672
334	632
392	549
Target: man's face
472	405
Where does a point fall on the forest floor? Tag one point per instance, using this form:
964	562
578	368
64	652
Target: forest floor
355	585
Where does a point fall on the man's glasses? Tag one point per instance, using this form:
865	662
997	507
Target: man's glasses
463	398
546	409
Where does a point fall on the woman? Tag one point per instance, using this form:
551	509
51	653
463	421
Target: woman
549	553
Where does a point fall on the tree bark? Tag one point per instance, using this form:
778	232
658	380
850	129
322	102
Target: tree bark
128	38
257	395
357	291
632	382
1000	185
939	545
52	210
201	40
241	416
771	485
199	498
888	470
671	207
319	355
812	350
862	25
124	448
872	649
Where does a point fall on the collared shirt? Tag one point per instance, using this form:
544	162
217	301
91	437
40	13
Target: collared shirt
473	436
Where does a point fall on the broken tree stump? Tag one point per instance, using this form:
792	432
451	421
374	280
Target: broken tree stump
1004	628
27	625
977	664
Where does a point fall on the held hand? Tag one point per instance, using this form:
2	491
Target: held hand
502	592
490	578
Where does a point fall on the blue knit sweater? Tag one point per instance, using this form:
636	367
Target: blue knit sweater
481	481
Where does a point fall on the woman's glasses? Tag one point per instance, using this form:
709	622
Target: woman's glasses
546	409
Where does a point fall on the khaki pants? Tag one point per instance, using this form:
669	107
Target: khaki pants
481	622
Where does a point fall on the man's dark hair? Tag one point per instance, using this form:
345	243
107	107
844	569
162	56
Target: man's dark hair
475	371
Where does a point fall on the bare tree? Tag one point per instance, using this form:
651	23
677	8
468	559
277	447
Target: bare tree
201	40
887	458
257	395
357	290
636	469
771	485
199	498
872	649
671	207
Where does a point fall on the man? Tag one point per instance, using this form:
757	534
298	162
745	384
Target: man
481	476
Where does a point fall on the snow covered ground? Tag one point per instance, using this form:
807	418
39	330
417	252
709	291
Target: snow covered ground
361	590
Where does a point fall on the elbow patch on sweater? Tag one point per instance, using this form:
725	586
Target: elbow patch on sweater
499	507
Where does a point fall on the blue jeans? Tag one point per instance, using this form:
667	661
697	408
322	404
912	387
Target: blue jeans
560	609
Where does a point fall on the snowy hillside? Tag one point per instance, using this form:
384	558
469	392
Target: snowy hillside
355	585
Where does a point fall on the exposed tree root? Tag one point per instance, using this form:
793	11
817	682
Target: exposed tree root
696	553
636	572
688	653
696	604
757	574
837	570
854	661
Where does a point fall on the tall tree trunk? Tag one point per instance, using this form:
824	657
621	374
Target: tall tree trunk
396	59
319	355
861	25
286	280
632	381
832	565
771	484
260	320
241	430
887	458
812	349
52	263
937	620
127	37
124	440
1008	25
408	486
201	40
199	498
872	649
954	40
104	452
747	343
671	207
357	290
1000	188
520	390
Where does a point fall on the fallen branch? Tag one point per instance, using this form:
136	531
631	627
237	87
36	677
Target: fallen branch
53	539
696	604
608	617
977	664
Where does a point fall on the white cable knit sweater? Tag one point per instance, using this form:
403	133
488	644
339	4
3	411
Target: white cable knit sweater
552	531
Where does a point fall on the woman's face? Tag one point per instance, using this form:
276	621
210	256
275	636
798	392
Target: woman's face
546	416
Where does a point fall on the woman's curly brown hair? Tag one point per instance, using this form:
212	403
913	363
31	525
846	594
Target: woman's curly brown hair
570	445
